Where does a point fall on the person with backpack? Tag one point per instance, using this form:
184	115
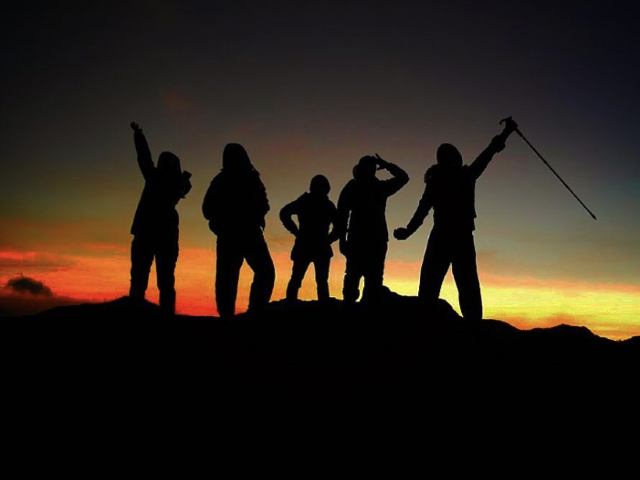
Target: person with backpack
155	226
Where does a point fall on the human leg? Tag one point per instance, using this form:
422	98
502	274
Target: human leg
321	267
166	259
374	272
437	258
352	276
228	263
298	272
141	259
465	273
256	253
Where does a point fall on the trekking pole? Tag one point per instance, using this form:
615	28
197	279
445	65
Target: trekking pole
550	168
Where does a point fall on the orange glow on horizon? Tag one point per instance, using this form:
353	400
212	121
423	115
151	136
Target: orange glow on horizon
608	310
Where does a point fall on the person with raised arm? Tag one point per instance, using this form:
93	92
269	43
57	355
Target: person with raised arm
450	192
362	226
155	226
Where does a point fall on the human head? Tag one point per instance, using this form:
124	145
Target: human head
236	159
366	168
169	164
448	156
320	186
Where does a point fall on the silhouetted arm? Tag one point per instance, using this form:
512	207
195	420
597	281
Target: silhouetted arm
399	180
424	206
144	153
262	203
333	215
211	205
285	216
207	204
342	216
497	145
185	184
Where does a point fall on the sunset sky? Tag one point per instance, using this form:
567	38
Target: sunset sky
309	88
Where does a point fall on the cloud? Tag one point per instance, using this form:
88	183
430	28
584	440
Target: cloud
29	285
20	305
27	296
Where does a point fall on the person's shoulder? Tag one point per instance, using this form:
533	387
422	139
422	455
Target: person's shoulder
250	181
294	205
326	204
219	177
466	170
350	185
302	199
432	171
437	173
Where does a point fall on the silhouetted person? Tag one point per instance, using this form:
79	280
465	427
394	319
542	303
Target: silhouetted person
362	225
235	206
316	213
450	191
155	225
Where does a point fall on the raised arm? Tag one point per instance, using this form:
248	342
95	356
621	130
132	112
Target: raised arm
400	177
424	206
497	145
285	216
144	154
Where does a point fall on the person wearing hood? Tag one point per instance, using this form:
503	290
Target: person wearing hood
450	191
155	226
362	225
235	206
316	214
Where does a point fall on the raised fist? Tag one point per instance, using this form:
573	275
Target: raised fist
382	163
510	125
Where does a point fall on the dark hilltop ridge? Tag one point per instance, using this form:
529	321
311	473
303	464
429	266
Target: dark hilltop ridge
378	377
325	349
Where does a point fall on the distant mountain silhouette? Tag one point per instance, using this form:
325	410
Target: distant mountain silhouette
333	376
395	338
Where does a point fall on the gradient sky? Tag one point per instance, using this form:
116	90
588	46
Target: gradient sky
308	88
